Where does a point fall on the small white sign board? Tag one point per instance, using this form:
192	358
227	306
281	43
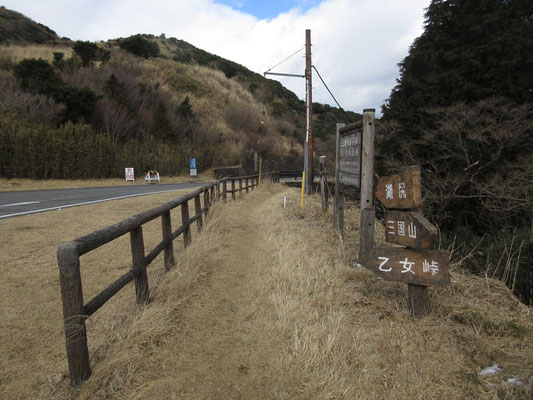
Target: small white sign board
194	172
130	176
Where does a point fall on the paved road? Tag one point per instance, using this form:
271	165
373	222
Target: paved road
14	204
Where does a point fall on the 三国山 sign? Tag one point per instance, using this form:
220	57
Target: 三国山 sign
350	162
409	229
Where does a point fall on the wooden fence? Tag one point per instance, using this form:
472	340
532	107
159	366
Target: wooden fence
75	311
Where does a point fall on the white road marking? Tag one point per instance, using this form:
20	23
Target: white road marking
20	204
84	203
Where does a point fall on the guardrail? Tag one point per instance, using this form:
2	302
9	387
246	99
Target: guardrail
76	312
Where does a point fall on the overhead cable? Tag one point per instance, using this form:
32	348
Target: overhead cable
345	114
281	62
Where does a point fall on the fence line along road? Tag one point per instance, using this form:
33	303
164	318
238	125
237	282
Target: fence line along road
75	311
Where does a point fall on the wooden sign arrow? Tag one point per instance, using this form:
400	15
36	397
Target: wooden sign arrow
400	191
419	267
409	229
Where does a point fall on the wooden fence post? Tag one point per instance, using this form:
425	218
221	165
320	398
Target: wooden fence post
72	297
240	186
233	189
246	185
185	221
366	233
206	203
166	226
224	190
217	198
338	212
137	254
198	210
324	183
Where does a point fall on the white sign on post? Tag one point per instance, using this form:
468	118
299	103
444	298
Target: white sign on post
130	176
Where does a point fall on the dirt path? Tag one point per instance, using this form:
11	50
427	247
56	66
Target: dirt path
221	340
223	351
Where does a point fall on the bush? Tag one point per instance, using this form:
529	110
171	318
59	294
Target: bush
39	77
139	46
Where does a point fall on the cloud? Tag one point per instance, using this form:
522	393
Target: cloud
356	43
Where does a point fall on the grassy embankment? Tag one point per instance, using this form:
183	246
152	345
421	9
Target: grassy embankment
15	184
264	304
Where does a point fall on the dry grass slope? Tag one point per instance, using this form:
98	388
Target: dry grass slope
264	304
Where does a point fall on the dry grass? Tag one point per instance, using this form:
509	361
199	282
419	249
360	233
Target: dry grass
17	53
31	332
264	305
17	184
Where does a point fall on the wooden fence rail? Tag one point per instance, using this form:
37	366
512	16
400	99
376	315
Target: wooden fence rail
75	311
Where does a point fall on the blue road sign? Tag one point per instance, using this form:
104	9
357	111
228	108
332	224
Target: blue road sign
192	163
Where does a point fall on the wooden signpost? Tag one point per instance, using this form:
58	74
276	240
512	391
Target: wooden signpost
415	265
400	191
354	166
350	160
418	267
409	229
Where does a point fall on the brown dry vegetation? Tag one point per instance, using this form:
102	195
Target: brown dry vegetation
17	53
264	304
7	185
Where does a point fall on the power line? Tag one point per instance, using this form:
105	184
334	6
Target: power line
345	114
281	62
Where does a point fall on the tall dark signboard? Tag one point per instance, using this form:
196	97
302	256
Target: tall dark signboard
350	162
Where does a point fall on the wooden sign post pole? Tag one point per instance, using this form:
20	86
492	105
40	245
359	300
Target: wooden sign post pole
366	233
324	183
405	225
338	206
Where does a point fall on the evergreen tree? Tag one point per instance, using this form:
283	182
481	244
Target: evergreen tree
470	50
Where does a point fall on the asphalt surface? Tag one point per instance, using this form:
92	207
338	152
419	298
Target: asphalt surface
14	204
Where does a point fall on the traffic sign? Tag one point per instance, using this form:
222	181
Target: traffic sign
409	229
419	267
400	191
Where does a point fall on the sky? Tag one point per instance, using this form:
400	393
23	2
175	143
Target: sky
357	44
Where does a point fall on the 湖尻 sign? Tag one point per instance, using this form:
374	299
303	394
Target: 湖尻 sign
400	191
350	162
419	267
409	229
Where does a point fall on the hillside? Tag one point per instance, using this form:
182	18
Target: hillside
16	28
148	102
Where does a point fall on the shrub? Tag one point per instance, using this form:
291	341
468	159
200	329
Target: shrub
139	46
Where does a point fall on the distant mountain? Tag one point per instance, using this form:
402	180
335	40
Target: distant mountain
16	28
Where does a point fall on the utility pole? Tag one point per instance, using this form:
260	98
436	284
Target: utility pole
308	145
309	114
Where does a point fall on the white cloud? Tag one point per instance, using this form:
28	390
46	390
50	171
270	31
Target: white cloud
356	43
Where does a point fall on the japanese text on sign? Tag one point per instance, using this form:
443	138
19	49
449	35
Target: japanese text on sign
350	162
420	267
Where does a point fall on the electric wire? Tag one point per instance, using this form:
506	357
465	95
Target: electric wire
342	109
281	62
